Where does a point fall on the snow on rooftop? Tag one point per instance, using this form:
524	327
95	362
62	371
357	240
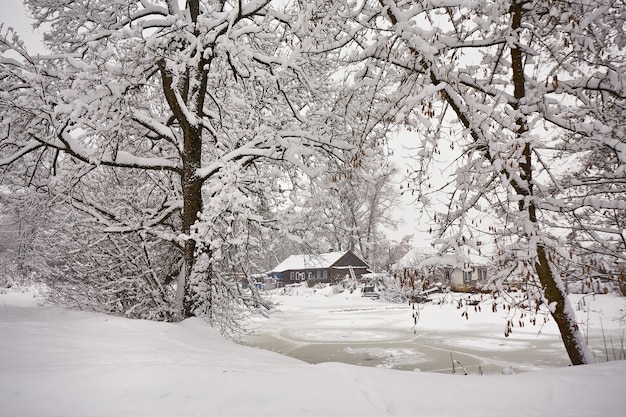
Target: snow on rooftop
442	260
310	261
453	260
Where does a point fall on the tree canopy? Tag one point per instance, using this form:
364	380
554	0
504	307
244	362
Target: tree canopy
187	116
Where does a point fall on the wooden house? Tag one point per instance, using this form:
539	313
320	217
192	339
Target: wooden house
324	267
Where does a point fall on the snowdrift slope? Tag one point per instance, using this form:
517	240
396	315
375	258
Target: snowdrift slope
65	363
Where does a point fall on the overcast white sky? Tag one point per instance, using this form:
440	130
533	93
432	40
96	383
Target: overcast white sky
14	15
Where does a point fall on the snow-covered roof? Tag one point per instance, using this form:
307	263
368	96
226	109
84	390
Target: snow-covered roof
411	259
316	261
442	260
455	261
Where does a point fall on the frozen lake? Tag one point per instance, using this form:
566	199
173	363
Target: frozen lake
318	326
429	351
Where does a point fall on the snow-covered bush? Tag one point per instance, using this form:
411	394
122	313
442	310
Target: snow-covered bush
588	286
405	287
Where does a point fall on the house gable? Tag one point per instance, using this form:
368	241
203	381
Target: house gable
349	261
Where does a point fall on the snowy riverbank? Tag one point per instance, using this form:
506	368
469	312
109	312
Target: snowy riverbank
55	362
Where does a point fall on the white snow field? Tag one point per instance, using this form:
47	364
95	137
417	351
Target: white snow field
55	362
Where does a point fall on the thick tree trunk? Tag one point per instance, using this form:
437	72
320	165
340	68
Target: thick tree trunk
192	88
191	187
192	205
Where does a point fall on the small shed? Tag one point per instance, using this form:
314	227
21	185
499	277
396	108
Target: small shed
328	267
460	275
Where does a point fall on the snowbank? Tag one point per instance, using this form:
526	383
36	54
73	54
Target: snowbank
66	363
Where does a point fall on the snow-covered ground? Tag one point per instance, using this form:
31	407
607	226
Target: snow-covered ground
55	362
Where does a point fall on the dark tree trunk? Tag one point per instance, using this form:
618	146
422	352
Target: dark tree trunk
192	205
192	89
562	312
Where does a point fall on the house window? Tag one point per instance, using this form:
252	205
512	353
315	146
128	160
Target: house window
318	275
467	276
324	274
310	275
291	276
482	274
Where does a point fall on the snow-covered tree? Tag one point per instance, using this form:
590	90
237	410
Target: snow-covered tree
17	234
348	208
516	93
204	103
